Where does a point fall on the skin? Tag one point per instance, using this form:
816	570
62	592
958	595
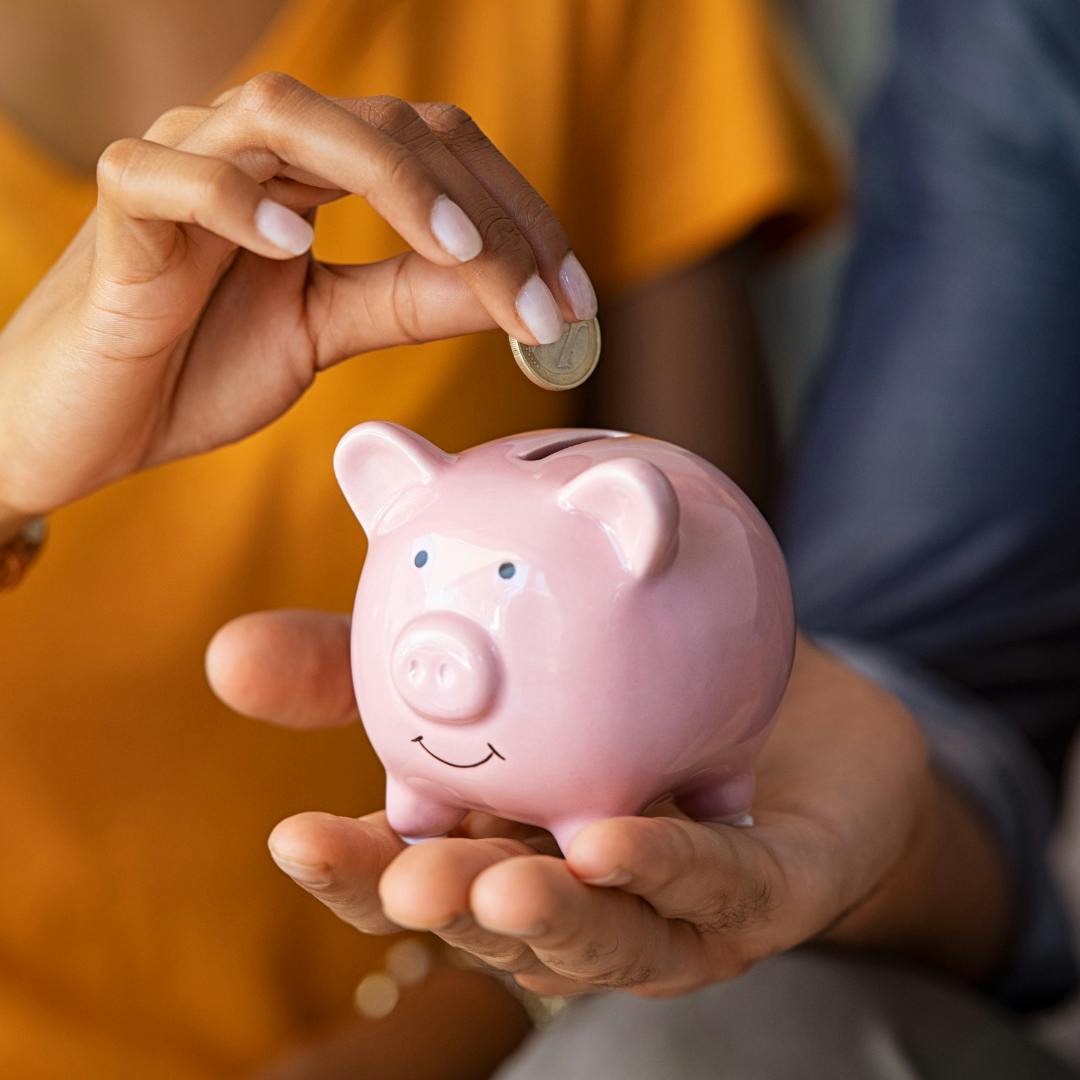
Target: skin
108	368
111	364
856	841
715	400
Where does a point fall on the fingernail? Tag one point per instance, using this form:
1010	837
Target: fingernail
577	288
539	312
283	228
314	874
612	880
456	234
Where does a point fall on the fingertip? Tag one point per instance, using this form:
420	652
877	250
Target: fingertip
287	667
454	230
285	229
577	288
516	896
603	852
230	667
420	889
304	847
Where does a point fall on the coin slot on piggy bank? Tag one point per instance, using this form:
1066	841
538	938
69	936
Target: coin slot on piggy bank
546	447
609	622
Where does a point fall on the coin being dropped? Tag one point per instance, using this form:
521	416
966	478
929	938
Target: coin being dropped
565	363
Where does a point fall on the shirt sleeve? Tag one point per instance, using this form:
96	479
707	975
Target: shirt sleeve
703	119
991	764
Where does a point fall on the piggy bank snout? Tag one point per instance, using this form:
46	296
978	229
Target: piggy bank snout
445	667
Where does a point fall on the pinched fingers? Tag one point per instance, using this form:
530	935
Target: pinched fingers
402	170
515	222
558	265
428	170
339	860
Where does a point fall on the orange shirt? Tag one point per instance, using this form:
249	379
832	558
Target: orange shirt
144	931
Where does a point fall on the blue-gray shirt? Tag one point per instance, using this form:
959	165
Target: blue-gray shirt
932	518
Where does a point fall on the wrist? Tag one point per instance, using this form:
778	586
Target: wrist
946	901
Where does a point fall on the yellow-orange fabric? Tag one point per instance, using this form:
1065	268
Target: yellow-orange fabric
144	931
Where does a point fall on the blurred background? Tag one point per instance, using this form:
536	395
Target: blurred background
151	974
847	44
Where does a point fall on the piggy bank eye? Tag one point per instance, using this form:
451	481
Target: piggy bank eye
420	558
507	570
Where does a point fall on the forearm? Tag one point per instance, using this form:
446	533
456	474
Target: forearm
947	902
683	364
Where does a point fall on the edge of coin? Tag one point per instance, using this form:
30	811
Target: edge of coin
527	371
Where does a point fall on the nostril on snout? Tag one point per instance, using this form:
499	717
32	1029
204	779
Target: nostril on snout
445	667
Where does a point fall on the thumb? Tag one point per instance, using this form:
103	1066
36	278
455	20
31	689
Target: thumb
287	667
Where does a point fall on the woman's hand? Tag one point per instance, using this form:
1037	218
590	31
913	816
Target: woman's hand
855	840
188	311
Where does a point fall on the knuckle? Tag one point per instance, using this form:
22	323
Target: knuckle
389	114
730	913
659	844
220	182
511	958
397	166
115	164
625	974
404	306
499	234
267	91
174	124
537	219
448	119
455	127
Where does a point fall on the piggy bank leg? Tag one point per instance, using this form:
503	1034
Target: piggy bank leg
416	816
726	799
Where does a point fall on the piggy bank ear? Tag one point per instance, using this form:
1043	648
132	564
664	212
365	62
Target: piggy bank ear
377	462
637	507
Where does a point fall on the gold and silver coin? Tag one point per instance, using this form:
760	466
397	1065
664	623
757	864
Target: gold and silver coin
565	363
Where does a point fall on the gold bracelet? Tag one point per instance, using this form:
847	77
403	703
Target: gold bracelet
19	553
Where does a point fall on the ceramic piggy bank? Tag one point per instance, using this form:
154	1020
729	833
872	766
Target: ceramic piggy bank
561	626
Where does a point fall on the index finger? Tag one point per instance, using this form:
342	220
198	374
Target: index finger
425	196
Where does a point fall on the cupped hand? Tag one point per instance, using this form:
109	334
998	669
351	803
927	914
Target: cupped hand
657	904
188	311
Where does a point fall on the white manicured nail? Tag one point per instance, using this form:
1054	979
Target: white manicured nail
539	312
577	288
456	234
283	228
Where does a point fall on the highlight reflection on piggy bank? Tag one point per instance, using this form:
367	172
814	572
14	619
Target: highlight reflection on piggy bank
561	626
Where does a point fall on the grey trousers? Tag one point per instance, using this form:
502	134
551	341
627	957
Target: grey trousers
805	1016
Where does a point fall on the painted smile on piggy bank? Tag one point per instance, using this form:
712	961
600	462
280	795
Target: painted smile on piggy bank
492	752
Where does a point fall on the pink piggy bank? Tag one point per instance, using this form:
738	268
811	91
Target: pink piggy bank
561	626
